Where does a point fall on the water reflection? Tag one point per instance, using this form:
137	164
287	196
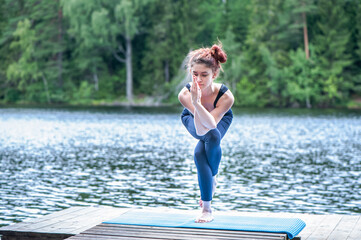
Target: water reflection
273	160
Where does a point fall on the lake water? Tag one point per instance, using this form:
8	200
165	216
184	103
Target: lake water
306	161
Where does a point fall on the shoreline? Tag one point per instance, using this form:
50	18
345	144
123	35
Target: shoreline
156	105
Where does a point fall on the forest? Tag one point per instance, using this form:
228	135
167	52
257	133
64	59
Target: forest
281	53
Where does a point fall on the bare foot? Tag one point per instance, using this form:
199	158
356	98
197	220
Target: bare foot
205	217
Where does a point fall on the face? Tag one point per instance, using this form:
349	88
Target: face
203	75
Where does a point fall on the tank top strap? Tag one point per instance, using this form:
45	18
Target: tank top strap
221	91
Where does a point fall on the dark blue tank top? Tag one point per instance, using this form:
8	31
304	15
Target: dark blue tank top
221	91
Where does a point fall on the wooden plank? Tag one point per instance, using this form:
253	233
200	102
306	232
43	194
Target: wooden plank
325	228
184	230
344	228
77	220
97	237
356	231
64	223
47	220
25	225
53	222
104	237
33	236
89	221
312	222
132	231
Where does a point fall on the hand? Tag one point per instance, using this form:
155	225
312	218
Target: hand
196	92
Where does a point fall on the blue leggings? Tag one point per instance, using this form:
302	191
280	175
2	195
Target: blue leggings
208	152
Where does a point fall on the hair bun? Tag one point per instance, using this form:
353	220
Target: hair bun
218	53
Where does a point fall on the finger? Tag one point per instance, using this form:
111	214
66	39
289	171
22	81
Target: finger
198	86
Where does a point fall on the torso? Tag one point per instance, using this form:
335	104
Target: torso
213	101
208	101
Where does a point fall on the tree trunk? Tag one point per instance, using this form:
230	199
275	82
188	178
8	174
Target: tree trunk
305	35
46	87
166	71
128	63
96	81
308	103
60	54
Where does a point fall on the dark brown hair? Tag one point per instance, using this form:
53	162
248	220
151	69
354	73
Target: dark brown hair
211	57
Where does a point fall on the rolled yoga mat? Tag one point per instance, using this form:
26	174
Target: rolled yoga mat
291	226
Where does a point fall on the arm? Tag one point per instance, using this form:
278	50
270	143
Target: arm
209	120
204	120
200	128
185	99
204	116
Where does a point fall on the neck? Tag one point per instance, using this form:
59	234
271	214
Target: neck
209	90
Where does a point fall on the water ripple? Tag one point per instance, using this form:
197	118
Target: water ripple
296	161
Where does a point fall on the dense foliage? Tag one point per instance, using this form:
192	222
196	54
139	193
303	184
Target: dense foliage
282	53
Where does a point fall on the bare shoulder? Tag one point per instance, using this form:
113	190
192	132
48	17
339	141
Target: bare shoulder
228	94
227	99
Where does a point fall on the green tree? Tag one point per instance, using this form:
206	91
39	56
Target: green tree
330	46
48	24
108	25
237	17
10	15
171	32
86	24
302	87
356	50
25	71
45	41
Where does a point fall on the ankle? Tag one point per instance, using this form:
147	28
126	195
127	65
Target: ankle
207	206
207	210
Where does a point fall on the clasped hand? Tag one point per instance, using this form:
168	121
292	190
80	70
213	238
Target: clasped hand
196	92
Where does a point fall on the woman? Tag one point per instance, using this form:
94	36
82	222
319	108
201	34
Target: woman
207	116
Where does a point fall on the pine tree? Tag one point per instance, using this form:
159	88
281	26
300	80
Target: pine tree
48	25
171	33
10	13
356	80
39	68
237	18
26	72
330	46
109	26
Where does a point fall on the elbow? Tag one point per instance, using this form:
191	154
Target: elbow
205	130
212	125
201	132
180	97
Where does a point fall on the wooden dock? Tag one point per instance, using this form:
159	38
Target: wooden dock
86	223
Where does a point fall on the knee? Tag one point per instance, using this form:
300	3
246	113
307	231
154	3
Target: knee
213	136
199	154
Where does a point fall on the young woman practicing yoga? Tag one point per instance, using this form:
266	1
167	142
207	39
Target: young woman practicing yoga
207	116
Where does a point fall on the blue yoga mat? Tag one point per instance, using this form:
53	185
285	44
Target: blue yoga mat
291	226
